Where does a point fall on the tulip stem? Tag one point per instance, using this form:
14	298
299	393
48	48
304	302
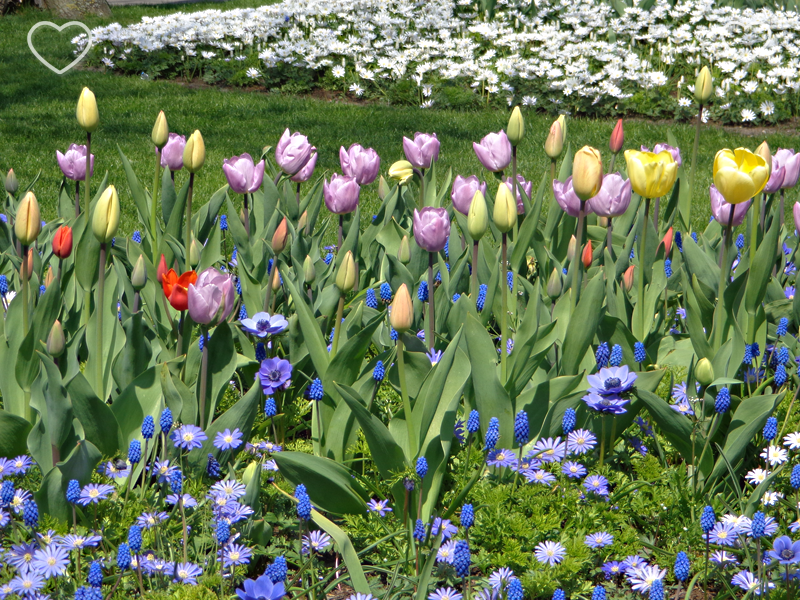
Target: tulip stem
246	215
101	286
723	277
337	326
475	273
88	175
753	234
504	312
401	373
298	195
153	207
25	286
763	211
203	377
613	160
656	208
77	198
609	236
640	284
577	261
188	240
688	223
341	227
514	185
430	331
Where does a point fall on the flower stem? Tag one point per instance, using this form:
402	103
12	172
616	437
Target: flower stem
603	441
429	329
153	206
504	313
753	236
246	210
341	226
694	162
514	184
101	286
705	577
577	262
337	326
609	235
183	524
203	377
611	164
25	293
474	287
401	373
188	240
640	284
723	276
77	199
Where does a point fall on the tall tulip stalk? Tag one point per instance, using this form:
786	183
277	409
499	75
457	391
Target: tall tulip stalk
88	119
159	137
477	224
401	316
27	227
345	281
244	177
703	91
587	180
431	230
504	217
611	201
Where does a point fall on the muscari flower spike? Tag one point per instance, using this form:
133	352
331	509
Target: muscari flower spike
616	356
602	355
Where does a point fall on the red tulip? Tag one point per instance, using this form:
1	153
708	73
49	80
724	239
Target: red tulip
62	242
162	268
176	289
617	138
627	278
587	254
667	241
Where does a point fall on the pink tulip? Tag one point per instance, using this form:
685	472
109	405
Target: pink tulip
722	209
791	165
431	228
775	178
464	189
172	152
341	194
567	198
527	186
676	153
614	197
422	151
796	215
307	171
73	162
494	151
243	176
211	297
359	163
292	152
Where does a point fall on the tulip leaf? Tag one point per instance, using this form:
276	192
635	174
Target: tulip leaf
13	434
96	418
206	217
700	264
113	339
583	325
140	197
349	555
759	276
675	427
141	398
312	335
136	353
526	232
27	363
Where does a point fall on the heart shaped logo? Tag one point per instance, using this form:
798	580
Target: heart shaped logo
59	28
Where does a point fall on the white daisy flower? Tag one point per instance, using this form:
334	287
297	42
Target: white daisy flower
748	115
775	455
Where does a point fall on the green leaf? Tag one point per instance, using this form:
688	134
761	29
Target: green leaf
357	578
583	325
312	333
222	361
329	484
97	419
140	197
141	398
675	427
13	434
759	276
136	353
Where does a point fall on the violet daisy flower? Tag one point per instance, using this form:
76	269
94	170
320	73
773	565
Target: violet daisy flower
228	440
599	539
445	594
642	579
188	437
550	450
501	578
21	556
263	324
501	458
540	476
606	404
683	408
50	561
597	484
573	470
317	541
724	534
21	464
92	493
148	520
446	551
679	393
612	568
20	498
78	542
234	555
379	506
448	530
163	470
114	471
6	468
723	558
581	441
188	500
26	584
611	381
749	582
187	573
230	488
274	373
549	552
785	551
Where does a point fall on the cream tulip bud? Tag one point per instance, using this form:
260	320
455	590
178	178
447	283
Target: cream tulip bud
401	314
515	130
160	134
276	280
194	252
11	182
587	172
703	87
309	271
764	152
28	224
55	340
704	372
572	247
194	152
105	219
302	221
402	171
404	252
49	277
562	121
627	278
86	112
505	209
346	277
554	285
383	188
139	275
280	236
554	144
478	216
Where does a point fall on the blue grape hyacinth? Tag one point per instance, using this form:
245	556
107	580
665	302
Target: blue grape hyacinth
422	467
568	421
602	355
794	479
770	429
371	300
783	326
461	558
467	516
639	353
148	427
723	401
616	356
473	421
682	566
379	372
492	434
514	590
707	519
422	291
521	428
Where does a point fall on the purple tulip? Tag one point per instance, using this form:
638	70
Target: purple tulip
211	297
341	194
791	165
292	152
775	178
796	215
521	185
73	163
494	151
243	176
676	153
464	189
422	151
567	198
614	196
172	153
307	171
362	164
722	209
431	228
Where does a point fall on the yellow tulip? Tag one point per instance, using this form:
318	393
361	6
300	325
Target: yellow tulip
401	315
587	172
105	219
505	209
651	175
29	220
739	174
88	117
703	87
478	216
346	277
194	152
554	144
160	134
764	152
402	171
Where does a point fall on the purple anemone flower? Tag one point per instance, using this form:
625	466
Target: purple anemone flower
263	324
611	380
274	373
606	404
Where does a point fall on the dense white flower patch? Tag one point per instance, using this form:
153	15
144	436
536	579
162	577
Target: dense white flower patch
579	53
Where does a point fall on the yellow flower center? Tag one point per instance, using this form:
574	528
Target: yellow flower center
188	436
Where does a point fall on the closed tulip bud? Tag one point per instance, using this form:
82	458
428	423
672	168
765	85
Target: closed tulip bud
516	127
401	314
48	278
162	268
571	248
586	257
28	264
194	252
764	152
383	188
88	117
11	183
703	87
562	121
667	241
105	219
627	278
62	242
276	280
302	221
309	272
139	275
280	236
554	284
55	340
554	144
29	220
404	252
346	277
617	140
402	171
194	152
160	134
505	210
587	172
478	216
704	372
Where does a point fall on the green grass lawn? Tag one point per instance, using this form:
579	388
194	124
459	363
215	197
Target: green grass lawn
37	116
